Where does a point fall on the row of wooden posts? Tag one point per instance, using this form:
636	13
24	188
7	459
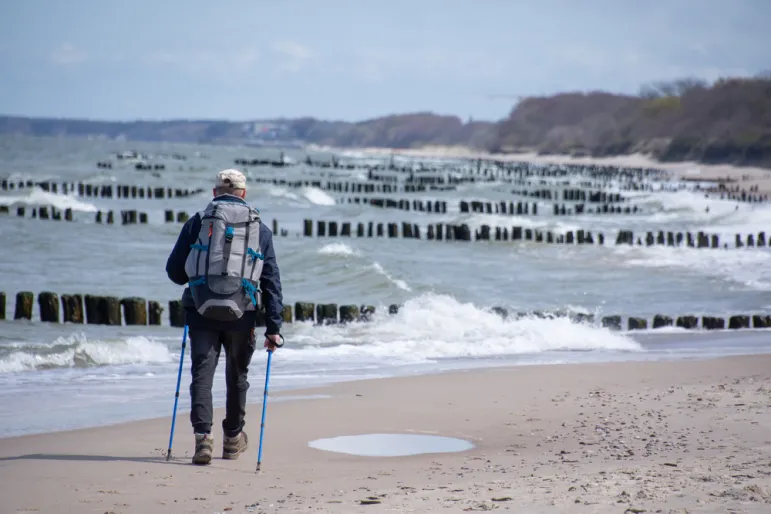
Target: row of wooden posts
523	173
280	163
133	311
435	206
452	232
591	191
518	173
568	192
444	231
417	184
146	166
524	208
149	192
571	195
630	177
100	190
626	179
553	187
91	309
432	180
352	187
739	196
476	206
43	212
140	166
482	166
128	217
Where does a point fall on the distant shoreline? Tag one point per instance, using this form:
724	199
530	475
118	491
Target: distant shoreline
744	176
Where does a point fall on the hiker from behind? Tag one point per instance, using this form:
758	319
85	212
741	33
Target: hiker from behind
225	255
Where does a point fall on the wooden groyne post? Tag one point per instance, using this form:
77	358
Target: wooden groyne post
72	306
134	310
48	303
24	303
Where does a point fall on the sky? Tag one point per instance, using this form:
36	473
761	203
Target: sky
356	59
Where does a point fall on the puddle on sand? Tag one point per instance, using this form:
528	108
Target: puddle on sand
391	445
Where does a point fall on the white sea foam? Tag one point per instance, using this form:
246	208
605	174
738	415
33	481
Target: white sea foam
304	196
401	284
746	266
282	192
431	327
316	196
101	179
747	219
684	207
557	226
710	214
337	249
344	250
37	196
351	154
77	351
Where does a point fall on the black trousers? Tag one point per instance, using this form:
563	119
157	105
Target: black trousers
205	347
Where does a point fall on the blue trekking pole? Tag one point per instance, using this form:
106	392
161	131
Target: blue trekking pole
264	405
176	395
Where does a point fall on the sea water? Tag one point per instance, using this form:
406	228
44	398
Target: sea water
61	376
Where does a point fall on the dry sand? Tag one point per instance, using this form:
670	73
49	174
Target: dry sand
687	436
743	177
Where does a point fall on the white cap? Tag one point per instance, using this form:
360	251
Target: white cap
231	178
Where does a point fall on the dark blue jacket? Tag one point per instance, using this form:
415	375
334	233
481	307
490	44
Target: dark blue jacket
270	280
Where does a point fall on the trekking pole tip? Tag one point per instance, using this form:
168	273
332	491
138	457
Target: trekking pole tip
168	455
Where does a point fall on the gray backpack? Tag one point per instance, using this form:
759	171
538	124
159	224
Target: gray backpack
225	263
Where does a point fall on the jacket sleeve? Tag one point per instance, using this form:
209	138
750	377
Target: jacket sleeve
270	284
175	265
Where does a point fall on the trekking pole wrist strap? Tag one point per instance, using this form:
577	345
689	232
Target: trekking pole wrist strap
282	341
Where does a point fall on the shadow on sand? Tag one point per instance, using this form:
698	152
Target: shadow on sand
96	458
175	461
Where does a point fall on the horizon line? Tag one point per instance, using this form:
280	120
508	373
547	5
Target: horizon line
231	120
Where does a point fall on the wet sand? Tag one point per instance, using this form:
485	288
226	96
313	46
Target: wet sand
678	436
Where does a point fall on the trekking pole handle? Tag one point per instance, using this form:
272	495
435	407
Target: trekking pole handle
277	344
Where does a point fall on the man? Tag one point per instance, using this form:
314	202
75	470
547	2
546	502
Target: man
215	255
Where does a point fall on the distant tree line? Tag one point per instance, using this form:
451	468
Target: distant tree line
728	121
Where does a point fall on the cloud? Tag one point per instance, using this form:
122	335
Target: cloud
376	64
369	71
244	59
67	54
294	56
584	57
207	61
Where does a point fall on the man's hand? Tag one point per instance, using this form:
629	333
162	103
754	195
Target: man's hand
272	342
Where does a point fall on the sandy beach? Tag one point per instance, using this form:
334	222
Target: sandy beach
687	436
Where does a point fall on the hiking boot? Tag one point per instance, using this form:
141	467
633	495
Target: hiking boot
204	445
232	447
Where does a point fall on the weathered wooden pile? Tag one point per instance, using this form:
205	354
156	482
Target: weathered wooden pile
89	190
463	232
